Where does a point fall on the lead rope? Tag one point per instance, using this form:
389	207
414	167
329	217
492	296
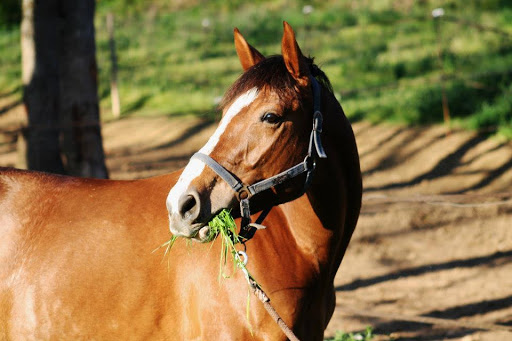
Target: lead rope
262	296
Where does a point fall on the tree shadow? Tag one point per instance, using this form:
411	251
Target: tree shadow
444	167
489	260
360	131
136	105
357	116
384	141
494	174
205	123
453	313
471	309
10	106
394	157
412	231
488	151
10	93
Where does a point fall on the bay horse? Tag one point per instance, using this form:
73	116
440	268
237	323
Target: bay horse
76	255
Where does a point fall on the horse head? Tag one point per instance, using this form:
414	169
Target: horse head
265	130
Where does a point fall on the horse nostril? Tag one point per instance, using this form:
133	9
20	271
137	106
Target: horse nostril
188	207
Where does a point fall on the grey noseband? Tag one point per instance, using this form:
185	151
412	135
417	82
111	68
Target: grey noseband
245	192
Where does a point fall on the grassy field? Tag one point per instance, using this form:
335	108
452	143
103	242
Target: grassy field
381	56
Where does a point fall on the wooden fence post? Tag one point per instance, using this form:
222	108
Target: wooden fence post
114	92
437	14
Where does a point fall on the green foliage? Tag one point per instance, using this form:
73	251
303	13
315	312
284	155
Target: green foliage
367	335
10	58
381	56
497	113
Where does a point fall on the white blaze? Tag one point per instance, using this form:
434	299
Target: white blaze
195	167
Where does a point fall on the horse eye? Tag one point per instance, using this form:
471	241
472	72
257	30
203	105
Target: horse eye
270	117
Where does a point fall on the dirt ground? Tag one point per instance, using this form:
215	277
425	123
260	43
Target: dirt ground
431	258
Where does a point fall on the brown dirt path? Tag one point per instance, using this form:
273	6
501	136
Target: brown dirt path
440	256
412	254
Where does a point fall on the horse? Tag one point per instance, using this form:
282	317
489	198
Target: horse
77	256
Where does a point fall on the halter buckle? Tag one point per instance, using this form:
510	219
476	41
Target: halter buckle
317	121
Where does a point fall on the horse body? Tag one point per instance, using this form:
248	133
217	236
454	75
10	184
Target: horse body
76	254
77	260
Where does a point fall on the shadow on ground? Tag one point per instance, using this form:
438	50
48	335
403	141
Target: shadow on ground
495	259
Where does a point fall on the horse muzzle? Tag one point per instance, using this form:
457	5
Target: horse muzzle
183	219
189	219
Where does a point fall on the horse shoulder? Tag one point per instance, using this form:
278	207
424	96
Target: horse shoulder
83	247
10	186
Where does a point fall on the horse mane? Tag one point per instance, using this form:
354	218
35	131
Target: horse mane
271	72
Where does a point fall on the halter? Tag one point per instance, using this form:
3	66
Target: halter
245	192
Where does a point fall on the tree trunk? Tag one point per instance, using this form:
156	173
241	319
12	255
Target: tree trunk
60	88
82	142
40	73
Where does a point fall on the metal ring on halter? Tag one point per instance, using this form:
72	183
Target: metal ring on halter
243	193
244	269
245	257
309	162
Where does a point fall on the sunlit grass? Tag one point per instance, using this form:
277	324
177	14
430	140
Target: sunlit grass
175	59
10	60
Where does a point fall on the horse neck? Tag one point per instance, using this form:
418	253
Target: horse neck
336	190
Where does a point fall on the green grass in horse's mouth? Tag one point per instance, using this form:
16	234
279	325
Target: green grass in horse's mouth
222	225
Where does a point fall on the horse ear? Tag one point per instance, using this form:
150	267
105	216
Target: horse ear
247	54
293	58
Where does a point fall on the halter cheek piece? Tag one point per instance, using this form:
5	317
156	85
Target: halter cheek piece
245	192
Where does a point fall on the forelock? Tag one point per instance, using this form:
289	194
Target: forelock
271	73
